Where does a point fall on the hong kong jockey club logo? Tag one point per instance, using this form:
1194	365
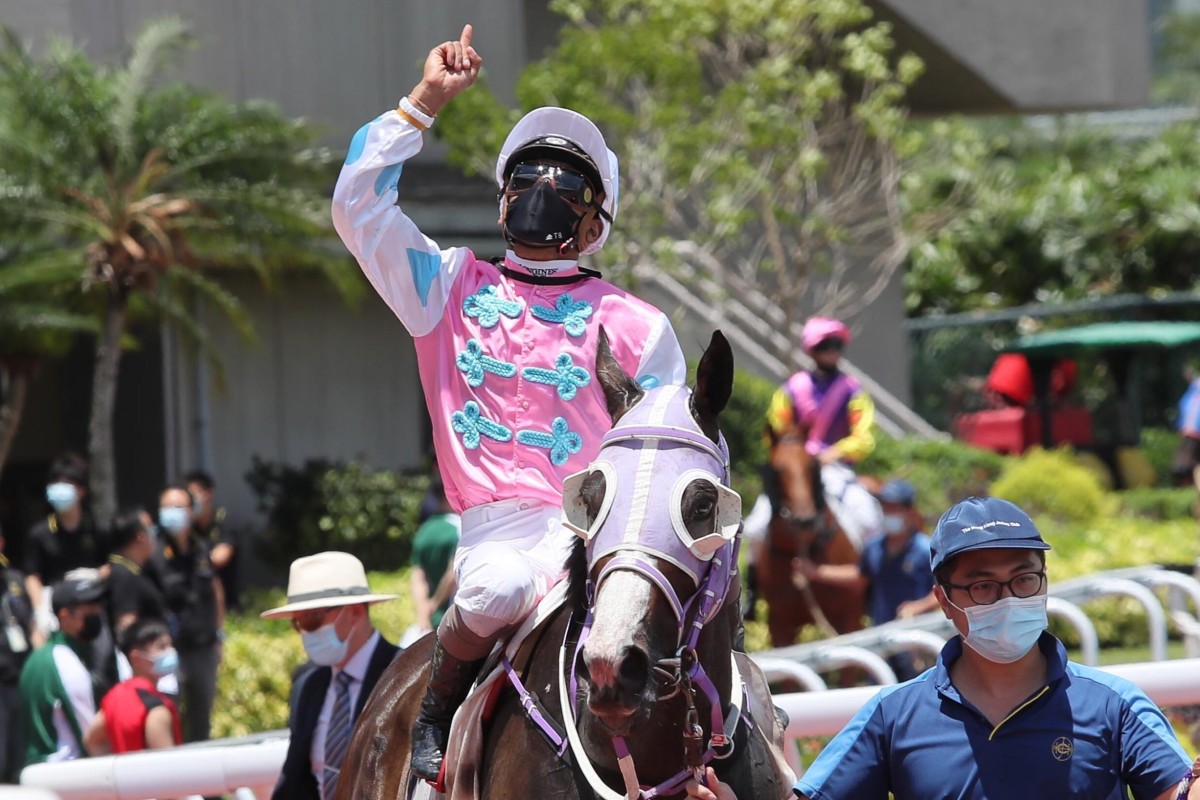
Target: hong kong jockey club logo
1062	748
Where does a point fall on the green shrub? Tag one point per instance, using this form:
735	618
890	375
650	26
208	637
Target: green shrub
942	471
743	423
332	506
1112	543
1159	445
1051	484
1158	503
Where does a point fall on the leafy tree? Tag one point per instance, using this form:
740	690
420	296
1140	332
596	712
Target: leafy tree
1177	67
143	191
1012	214
759	142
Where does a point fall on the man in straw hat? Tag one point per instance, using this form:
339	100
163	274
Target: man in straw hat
328	599
506	352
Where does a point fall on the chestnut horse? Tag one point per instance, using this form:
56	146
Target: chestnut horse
632	679
802	525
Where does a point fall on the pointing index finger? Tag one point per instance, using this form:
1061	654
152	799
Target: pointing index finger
465	38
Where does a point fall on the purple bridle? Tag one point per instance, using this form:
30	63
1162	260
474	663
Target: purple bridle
653	453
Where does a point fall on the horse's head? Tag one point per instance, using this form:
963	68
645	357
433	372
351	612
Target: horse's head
660	522
793	484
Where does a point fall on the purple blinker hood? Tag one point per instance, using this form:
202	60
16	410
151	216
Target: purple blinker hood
648	459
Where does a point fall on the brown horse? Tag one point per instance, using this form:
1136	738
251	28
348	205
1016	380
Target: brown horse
631	679
802	525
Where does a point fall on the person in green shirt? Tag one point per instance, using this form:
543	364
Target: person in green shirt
56	684
433	553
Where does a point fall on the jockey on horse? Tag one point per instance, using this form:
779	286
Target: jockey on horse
834	413
506	353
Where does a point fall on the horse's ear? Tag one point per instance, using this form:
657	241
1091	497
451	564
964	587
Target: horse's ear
620	390
714	383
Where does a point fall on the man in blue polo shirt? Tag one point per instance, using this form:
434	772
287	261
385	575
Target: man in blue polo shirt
1003	714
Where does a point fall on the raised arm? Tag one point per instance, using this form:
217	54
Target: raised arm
409	270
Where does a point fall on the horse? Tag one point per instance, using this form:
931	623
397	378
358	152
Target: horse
802	525
631	680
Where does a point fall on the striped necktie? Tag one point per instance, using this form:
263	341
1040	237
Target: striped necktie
337	736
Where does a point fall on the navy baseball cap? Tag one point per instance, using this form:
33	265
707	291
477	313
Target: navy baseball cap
981	523
899	492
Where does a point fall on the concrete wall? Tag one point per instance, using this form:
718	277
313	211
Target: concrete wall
339	63
1025	55
324	382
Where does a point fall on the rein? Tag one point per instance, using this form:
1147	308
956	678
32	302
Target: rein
683	673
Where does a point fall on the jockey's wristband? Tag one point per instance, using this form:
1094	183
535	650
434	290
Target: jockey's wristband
416	116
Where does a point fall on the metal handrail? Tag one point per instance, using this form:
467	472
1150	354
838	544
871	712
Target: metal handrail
1065	597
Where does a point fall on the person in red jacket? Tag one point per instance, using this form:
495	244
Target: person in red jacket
134	715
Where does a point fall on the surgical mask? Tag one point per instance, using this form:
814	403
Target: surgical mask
62	495
92	625
893	524
166	662
323	646
539	216
173	519
1007	629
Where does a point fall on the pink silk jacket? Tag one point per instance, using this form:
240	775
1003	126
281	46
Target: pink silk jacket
507	364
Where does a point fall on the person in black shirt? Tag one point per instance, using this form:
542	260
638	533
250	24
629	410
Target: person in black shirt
214	527
132	593
16	617
66	540
194	595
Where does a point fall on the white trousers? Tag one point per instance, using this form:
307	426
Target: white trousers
511	553
856	509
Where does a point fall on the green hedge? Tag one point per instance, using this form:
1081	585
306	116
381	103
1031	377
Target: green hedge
942	471
1159	445
743	424
1159	503
1051	484
326	505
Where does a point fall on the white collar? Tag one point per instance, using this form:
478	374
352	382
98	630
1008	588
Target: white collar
541	269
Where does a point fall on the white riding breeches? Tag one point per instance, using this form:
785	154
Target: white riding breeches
511	553
856	509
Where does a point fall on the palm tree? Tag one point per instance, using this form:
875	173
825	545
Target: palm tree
36	321
147	189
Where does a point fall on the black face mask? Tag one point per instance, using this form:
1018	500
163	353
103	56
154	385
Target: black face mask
539	217
92	625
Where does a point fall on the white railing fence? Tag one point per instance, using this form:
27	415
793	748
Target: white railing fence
251	769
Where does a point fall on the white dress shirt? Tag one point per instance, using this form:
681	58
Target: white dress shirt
356	668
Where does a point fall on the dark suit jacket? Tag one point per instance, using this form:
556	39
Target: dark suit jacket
296	782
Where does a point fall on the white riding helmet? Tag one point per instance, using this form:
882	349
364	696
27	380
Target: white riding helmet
536	134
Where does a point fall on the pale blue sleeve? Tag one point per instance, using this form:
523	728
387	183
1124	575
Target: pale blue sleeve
408	269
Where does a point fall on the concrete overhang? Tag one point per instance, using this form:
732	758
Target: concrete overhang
1023	56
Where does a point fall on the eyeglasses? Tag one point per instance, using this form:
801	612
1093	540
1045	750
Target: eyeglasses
309	621
984	593
828	346
570	186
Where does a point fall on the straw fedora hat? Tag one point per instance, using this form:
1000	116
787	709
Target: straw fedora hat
326	580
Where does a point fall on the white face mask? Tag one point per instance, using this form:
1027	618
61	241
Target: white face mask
1007	629
323	645
893	524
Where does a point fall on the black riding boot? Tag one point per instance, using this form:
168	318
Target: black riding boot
449	682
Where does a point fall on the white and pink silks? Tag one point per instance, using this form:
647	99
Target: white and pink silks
506	364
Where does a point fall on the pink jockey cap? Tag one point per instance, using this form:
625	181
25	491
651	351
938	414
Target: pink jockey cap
818	329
